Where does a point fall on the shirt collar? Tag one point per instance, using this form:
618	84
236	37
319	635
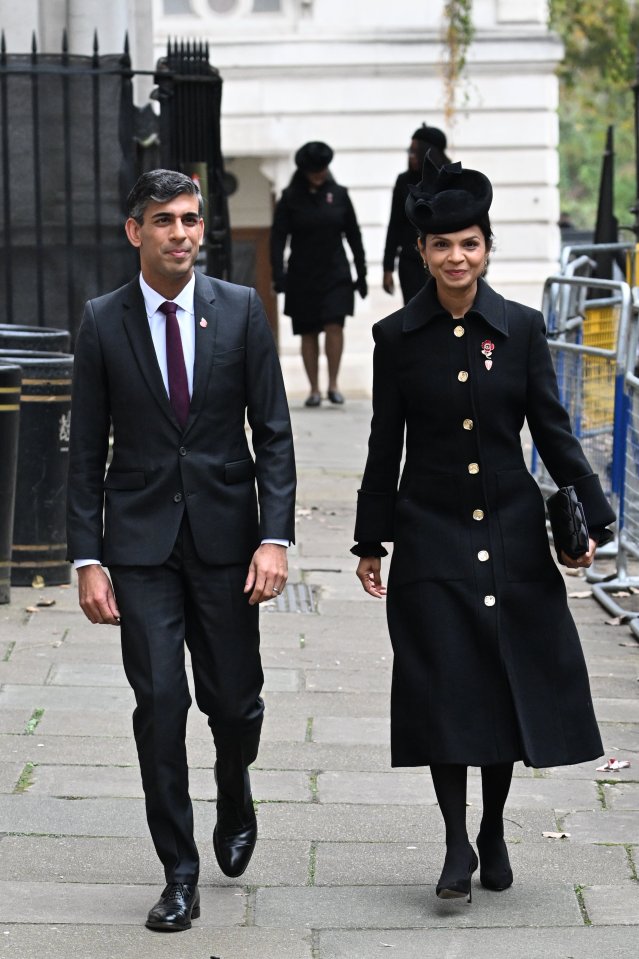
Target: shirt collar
153	300
424	307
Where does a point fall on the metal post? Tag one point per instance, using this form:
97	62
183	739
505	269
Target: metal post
635	89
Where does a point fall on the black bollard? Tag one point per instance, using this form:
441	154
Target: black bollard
39	527
10	379
45	338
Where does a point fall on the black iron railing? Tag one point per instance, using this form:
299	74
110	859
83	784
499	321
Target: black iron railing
70	150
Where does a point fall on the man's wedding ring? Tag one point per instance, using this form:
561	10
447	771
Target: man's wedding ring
275	589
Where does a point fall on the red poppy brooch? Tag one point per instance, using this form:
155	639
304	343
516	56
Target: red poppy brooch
487	348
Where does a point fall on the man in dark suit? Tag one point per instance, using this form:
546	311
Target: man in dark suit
176	362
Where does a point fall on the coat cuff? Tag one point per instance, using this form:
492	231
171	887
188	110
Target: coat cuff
597	509
368	549
375	517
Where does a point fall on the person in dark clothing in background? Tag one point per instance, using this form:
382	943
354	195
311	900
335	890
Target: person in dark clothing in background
315	213
401	239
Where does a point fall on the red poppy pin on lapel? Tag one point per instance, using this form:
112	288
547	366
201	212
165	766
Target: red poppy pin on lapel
487	348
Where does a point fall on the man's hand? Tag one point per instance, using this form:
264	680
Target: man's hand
369	573
585	560
97	599
267	573
388	282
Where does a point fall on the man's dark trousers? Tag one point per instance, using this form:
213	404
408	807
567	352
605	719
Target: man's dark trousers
221	632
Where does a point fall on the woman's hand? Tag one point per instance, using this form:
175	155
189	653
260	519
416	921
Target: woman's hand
583	561
369	573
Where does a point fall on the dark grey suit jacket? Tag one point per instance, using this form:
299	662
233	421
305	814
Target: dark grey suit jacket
132	515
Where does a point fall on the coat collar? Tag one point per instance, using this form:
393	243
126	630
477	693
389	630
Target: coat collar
425	306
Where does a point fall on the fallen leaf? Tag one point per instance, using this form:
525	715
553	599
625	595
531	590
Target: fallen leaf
622	594
556	835
581	594
613	765
46	602
31	609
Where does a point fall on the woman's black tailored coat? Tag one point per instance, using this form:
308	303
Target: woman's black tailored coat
488	666
318	284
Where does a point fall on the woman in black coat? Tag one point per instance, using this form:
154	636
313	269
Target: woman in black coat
488	668
401	245
315	213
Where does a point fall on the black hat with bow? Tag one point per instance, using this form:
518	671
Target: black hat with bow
313	156
448	199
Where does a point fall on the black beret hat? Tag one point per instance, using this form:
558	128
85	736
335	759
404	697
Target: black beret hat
448	199
313	156
432	135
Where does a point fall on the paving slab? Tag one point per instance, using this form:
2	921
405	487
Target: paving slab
606	826
319	756
394	788
9	775
124	781
617	710
24	673
135	942
87	674
349	680
381	864
61	697
85	722
349	730
397	907
517	943
14	720
613	905
622	795
59	859
107	904
386	823
315	703
544	793
76	750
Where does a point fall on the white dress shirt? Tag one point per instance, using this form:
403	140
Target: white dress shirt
157	325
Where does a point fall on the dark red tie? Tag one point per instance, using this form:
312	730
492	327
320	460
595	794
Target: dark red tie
178	382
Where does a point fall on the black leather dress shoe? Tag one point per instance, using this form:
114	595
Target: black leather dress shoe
234	846
178	904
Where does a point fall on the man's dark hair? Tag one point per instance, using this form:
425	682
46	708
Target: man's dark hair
160	186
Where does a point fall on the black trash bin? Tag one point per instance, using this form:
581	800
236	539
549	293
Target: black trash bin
10	379
47	338
39	529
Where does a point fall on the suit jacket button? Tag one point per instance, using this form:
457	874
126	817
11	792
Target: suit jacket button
473	468
459	331
489	600
182	451
177	498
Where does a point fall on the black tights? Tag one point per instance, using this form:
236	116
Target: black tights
449	781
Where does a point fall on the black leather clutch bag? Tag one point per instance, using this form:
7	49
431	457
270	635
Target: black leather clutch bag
568	522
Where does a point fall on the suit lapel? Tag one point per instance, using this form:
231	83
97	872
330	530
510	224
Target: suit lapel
206	318
139	334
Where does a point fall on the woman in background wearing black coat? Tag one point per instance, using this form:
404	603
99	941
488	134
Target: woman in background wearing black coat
316	213
488	667
401	245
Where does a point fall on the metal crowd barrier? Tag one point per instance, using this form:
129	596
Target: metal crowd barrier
590	376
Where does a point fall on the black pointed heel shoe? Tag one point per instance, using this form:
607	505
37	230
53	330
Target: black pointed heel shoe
459	888
495	872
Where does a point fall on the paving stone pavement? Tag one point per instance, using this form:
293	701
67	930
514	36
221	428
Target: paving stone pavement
349	850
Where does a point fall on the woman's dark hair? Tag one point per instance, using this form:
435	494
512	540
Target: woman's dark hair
483	222
160	186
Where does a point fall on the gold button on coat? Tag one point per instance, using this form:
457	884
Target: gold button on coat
478	514
483	555
462	376
473	468
459	331
468	424
489	600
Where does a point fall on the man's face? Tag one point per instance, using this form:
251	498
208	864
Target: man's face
168	240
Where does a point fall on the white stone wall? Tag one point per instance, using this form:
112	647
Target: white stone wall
362	75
